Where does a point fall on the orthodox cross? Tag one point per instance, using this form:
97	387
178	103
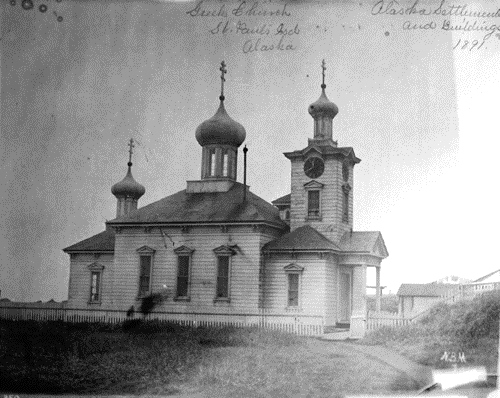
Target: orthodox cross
223	72
131	145
323	67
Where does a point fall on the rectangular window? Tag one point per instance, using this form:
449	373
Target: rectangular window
222	277
183	276
345	207
313	204
95	286
145	276
225	162
293	290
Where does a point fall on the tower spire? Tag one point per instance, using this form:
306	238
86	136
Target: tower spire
222	79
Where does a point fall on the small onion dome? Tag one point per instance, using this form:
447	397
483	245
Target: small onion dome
128	187
323	106
220	129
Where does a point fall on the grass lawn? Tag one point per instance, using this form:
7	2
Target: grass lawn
470	327
152	358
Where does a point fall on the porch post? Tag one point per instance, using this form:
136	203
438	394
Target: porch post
358	317
377	294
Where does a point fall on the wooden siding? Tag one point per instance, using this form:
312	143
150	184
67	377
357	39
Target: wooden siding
79	280
411	306
312	284
331	224
121	276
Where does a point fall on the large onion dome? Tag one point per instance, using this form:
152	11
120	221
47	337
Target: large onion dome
128	187
323	106
220	129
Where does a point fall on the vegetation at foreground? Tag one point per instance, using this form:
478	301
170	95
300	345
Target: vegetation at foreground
140	357
468	326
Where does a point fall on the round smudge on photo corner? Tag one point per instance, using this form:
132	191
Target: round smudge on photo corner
59	18
387	33
12	2
27	4
42	8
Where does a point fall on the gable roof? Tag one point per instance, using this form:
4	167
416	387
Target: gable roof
284	200
102	242
303	238
205	207
424	289
364	242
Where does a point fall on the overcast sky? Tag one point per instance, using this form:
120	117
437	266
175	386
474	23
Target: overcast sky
75	90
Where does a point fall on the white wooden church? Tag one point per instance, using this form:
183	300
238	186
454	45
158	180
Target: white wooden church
215	250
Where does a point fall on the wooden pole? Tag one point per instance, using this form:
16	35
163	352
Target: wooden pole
245	150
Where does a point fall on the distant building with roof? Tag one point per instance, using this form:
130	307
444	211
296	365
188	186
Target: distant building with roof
415	298
216	248
484	284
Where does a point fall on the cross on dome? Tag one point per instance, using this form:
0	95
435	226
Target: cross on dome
223	79
323	66
130	151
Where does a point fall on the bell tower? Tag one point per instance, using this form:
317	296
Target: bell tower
220	137
322	175
128	191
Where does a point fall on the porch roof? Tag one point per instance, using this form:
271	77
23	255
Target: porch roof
303	238
368	242
284	200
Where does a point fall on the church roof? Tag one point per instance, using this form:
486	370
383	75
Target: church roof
102	242
303	238
205	207
364	242
424	289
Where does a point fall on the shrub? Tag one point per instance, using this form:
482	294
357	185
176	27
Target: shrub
480	320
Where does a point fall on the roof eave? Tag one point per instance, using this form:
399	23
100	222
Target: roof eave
290	250
72	251
192	223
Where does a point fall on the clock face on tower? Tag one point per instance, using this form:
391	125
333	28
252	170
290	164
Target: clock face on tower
314	167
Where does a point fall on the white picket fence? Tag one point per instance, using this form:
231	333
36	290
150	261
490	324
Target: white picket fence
308	325
375	320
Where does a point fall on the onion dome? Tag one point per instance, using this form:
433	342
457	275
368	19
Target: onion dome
323	106
220	129
128	187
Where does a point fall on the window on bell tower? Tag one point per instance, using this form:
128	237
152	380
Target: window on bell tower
211	162
346	188
225	163
313	209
